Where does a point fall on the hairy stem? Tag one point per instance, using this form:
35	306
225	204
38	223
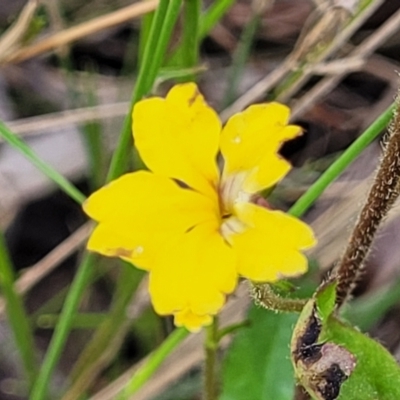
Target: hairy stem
264	296
383	193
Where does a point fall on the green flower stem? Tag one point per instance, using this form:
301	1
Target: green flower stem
16	142
232	328
16	315
154	361
213	14
81	280
348	156
211	348
153	55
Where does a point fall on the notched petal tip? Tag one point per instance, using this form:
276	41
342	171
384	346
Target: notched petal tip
191	321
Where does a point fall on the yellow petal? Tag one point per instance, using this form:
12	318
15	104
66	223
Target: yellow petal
250	142
194	272
178	137
269	248
140	211
190	321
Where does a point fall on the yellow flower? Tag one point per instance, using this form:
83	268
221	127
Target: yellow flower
190	220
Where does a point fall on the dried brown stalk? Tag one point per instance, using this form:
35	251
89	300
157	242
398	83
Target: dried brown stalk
13	36
383	193
80	31
360	53
321	37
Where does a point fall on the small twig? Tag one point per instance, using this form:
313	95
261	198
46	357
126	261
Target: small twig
320	29
34	126
312	36
383	193
13	36
361	52
82	30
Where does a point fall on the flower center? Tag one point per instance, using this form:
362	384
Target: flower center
231	192
231	226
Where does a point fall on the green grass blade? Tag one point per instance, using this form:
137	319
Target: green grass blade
16	142
158	39
190	35
108	334
240	58
81	280
154	361
16	314
213	14
348	156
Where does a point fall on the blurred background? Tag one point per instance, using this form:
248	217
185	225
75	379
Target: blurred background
59	93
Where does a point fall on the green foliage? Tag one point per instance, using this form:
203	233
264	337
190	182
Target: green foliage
250	367
335	361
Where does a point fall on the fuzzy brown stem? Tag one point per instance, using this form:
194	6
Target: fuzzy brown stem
383	193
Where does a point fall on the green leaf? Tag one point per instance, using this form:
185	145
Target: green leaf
335	361
325	300
257	365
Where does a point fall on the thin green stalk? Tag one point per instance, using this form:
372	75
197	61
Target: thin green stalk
154	361
109	334
190	34
16	315
16	142
212	15
80	321
82	278
348	156
145	29
159	36
210	367
240	58
92	135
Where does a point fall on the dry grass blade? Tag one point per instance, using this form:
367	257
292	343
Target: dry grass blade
360	53
324	29
82	30
38	271
338	42
13	36
37	125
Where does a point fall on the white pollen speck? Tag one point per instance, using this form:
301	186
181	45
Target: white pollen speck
236	139
137	251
